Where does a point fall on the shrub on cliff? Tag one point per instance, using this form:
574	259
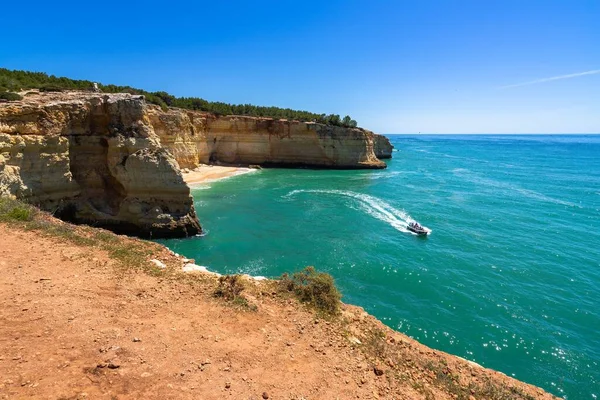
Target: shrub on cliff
314	288
10	96
50	88
348	122
230	289
14	210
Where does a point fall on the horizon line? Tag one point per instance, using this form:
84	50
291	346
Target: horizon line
488	133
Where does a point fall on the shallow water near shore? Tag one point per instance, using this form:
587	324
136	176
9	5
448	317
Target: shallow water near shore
508	278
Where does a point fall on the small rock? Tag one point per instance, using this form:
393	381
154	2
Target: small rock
472	398
354	340
378	370
227	385
145	374
113	366
265	395
135	339
190	267
158	263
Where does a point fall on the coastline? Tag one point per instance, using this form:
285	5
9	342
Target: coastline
212	173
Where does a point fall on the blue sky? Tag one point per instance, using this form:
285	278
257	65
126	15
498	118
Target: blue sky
395	66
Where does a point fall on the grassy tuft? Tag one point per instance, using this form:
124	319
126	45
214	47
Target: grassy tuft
14	210
314	288
230	288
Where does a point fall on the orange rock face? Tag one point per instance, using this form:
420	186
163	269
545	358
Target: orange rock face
196	137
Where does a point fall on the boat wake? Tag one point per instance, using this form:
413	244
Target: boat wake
373	206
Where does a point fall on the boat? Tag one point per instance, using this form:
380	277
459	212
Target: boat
418	229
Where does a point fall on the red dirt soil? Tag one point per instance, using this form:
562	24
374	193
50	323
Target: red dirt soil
75	324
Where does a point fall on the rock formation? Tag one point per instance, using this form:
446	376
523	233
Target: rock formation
94	158
114	161
197	137
383	147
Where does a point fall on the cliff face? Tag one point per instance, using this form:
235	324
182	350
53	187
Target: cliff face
383	148
94	158
196	137
114	161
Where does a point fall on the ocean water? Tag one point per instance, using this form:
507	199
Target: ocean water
508	278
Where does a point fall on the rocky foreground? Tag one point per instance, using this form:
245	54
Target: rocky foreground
113	160
84	314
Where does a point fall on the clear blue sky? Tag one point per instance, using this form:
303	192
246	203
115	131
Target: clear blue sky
395	66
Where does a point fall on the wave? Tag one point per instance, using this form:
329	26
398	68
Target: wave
373	206
377	175
199	186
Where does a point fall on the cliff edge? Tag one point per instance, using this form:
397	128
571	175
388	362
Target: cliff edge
101	321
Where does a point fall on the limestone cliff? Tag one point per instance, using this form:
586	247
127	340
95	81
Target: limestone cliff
94	158
114	161
383	147
196	137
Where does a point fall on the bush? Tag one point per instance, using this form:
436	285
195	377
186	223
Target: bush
10	96
230	287
50	88
314	288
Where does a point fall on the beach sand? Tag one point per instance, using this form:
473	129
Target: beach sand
211	173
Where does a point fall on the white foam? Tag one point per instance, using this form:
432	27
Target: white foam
373	206
191	267
378	175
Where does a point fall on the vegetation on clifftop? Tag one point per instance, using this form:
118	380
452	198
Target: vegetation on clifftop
314	288
15	80
10	96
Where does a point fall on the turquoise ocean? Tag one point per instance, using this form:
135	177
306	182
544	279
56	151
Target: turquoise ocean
508	278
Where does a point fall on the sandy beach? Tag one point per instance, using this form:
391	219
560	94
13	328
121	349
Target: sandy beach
211	173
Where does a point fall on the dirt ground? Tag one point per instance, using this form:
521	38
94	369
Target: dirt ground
74	324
